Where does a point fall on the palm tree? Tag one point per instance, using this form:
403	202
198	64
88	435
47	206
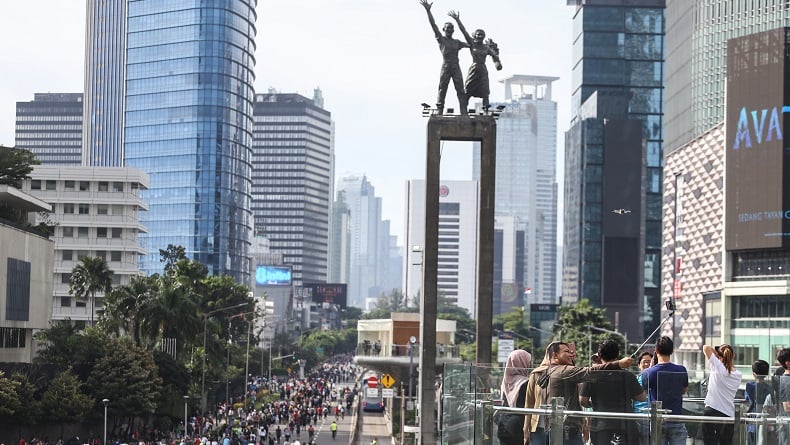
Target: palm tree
90	276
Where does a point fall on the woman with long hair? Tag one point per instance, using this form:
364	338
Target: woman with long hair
723	382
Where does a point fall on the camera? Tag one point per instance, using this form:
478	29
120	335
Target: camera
670	304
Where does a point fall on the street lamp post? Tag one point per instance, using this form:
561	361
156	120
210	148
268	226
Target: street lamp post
105	402
413	343
186	428
203	400
608	331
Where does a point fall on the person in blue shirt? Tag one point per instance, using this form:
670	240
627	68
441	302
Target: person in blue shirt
667	382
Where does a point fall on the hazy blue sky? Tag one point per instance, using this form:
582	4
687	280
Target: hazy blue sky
374	60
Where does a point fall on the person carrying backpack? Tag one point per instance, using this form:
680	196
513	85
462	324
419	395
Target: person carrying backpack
510	427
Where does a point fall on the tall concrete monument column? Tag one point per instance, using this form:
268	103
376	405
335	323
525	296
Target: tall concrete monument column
480	128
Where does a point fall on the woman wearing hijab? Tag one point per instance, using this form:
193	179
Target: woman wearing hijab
510	427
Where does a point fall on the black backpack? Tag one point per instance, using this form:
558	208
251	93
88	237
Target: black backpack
510	427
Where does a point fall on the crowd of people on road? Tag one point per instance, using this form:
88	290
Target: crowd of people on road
285	410
608	386
296	417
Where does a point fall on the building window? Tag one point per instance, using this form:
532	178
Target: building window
65	278
116	279
115	255
51	185
68	185
117	187
85	186
12	338
101	232
102	209
104	186
68	208
81	254
116	232
35	184
17	304
117	209
65	301
68	232
102	254
67	255
84	209
82	232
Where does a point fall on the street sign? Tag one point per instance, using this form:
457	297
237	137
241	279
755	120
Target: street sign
388	392
373	382
387	380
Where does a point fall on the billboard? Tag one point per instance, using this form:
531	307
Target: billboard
757	207
272	275
333	293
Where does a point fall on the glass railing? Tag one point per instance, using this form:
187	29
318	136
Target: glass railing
471	412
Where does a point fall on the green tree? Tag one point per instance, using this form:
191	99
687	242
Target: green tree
449	310
64	345
64	402
171	313
9	396
91	276
16	165
121	315
171	255
571	327
128	376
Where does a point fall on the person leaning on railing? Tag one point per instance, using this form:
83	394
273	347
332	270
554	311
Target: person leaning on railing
723	382
558	377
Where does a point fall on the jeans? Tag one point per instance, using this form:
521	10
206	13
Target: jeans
674	433
538	437
541	437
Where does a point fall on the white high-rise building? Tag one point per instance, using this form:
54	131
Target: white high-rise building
526	182
370	253
458	226
97	213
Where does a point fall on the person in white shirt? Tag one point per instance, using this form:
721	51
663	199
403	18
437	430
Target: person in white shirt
723	382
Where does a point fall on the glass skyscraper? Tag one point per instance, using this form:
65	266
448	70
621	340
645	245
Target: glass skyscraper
105	64
613	159
189	126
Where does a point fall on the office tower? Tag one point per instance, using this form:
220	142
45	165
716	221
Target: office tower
105	67
613	156
97	212
291	175
526	181
188	124
369	243
696	54
50	126
340	241
458	223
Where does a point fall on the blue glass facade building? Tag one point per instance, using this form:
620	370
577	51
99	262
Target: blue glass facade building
613	159
189	126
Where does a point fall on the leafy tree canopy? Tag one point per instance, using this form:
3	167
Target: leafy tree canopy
16	165
571	327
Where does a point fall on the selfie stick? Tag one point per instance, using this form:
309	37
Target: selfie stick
671	313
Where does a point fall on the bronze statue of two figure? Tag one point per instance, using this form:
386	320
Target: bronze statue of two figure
477	77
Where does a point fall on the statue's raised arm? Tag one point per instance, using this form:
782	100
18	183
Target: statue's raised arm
427	7
457	17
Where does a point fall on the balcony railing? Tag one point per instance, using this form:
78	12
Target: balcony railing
396	350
